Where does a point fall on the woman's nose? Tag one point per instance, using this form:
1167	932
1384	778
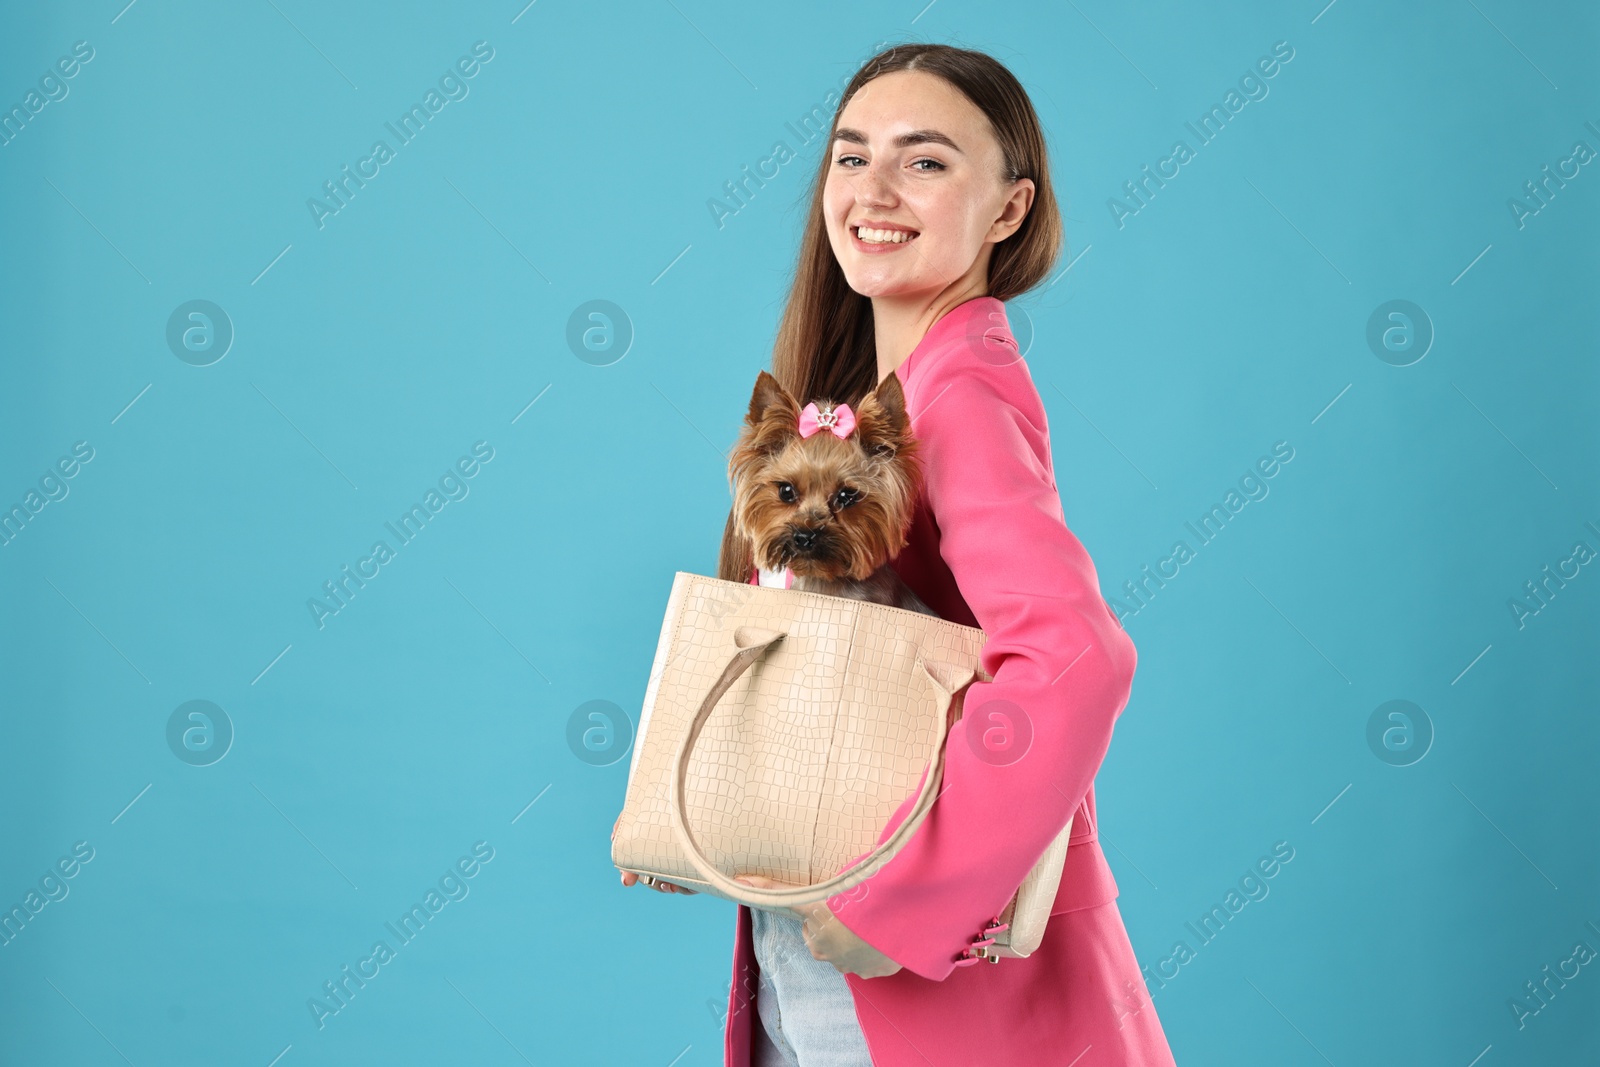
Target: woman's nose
874	186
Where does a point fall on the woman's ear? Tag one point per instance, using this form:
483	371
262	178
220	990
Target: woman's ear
1015	209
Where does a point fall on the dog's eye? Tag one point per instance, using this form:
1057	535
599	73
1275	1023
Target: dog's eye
845	497
786	492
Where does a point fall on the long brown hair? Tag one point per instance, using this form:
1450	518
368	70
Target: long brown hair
825	345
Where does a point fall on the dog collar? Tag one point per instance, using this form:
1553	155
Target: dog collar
776	579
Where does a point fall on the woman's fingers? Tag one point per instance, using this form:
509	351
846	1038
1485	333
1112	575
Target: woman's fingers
761	881
828	938
671	887
629	878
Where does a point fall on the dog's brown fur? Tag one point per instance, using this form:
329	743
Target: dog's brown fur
853	541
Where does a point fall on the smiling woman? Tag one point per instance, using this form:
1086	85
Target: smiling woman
933	206
920	210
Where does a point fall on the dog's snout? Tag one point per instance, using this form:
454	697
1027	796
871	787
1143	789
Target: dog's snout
805	538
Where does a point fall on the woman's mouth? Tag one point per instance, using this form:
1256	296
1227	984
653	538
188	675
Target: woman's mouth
871	239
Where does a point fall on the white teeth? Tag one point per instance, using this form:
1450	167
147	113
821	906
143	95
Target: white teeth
883	236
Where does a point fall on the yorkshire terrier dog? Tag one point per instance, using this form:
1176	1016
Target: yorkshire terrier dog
824	495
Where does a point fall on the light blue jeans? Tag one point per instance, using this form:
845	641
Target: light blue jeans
807	1013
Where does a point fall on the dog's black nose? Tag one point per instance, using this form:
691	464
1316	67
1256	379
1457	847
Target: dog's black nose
805	538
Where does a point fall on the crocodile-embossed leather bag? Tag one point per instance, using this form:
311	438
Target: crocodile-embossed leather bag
780	732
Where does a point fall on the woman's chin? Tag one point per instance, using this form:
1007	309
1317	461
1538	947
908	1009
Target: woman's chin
878	287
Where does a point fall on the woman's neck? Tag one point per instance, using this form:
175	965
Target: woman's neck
898	326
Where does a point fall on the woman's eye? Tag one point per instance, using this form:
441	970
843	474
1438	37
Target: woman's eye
841	161
786	492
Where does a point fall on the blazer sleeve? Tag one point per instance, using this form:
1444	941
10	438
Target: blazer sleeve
1061	668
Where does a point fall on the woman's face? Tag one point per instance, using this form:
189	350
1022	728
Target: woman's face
915	155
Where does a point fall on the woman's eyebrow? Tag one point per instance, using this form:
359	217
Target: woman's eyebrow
844	133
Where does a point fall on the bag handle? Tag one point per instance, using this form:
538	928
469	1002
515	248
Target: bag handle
947	680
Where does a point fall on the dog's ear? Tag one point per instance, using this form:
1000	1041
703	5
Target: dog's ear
773	416
882	421
767	395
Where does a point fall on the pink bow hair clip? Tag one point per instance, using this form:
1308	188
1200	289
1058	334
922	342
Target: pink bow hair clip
841	420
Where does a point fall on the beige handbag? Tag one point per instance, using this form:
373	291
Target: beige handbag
780	732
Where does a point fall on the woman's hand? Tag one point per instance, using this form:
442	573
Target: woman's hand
628	877
827	937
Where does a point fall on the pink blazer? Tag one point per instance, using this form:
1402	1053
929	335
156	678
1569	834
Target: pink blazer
990	548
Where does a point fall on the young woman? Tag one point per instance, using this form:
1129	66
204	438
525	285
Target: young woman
933	206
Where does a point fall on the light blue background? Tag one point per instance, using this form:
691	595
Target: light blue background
370	354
